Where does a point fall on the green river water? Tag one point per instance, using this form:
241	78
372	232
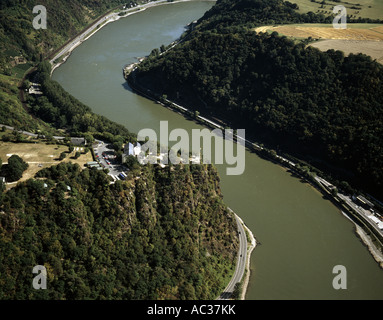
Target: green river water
302	235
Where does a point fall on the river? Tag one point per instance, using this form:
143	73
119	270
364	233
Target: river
303	236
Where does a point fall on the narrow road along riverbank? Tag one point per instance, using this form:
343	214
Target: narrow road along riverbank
65	52
258	208
374	251
245	249
243	260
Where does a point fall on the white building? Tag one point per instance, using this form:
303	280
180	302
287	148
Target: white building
137	149
131	150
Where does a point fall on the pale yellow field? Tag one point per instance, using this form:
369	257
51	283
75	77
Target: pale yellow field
357	38
324	32
374	49
39	156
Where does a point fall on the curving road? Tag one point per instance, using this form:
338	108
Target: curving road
108	17
241	261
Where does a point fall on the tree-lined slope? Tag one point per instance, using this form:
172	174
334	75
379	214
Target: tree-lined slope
162	234
321	106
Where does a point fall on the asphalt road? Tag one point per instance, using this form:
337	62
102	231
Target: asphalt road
241	262
81	37
76	41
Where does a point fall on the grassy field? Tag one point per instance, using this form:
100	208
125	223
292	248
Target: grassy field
372	9
39	156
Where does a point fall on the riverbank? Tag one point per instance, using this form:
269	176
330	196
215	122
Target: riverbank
347	210
365	237
250	247
65	52
288	164
378	256
263	194
367	241
91	30
364	229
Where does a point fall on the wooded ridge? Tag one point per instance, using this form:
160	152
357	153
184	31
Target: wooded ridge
322	107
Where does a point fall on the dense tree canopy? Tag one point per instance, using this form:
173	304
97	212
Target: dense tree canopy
15	168
65	19
18	39
252	13
62	110
161	234
320	106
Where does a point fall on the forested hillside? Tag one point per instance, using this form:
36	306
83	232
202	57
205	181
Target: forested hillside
18	39
22	47
11	109
319	106
252	13
62	111
64	20
162	234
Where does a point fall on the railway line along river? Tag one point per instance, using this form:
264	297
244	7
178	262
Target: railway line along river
303	235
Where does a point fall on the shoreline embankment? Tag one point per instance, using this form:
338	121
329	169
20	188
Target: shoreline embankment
377	255
65	52
250	247
279	160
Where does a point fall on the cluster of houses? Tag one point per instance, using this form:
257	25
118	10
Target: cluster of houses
135	150
131	4
35	88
